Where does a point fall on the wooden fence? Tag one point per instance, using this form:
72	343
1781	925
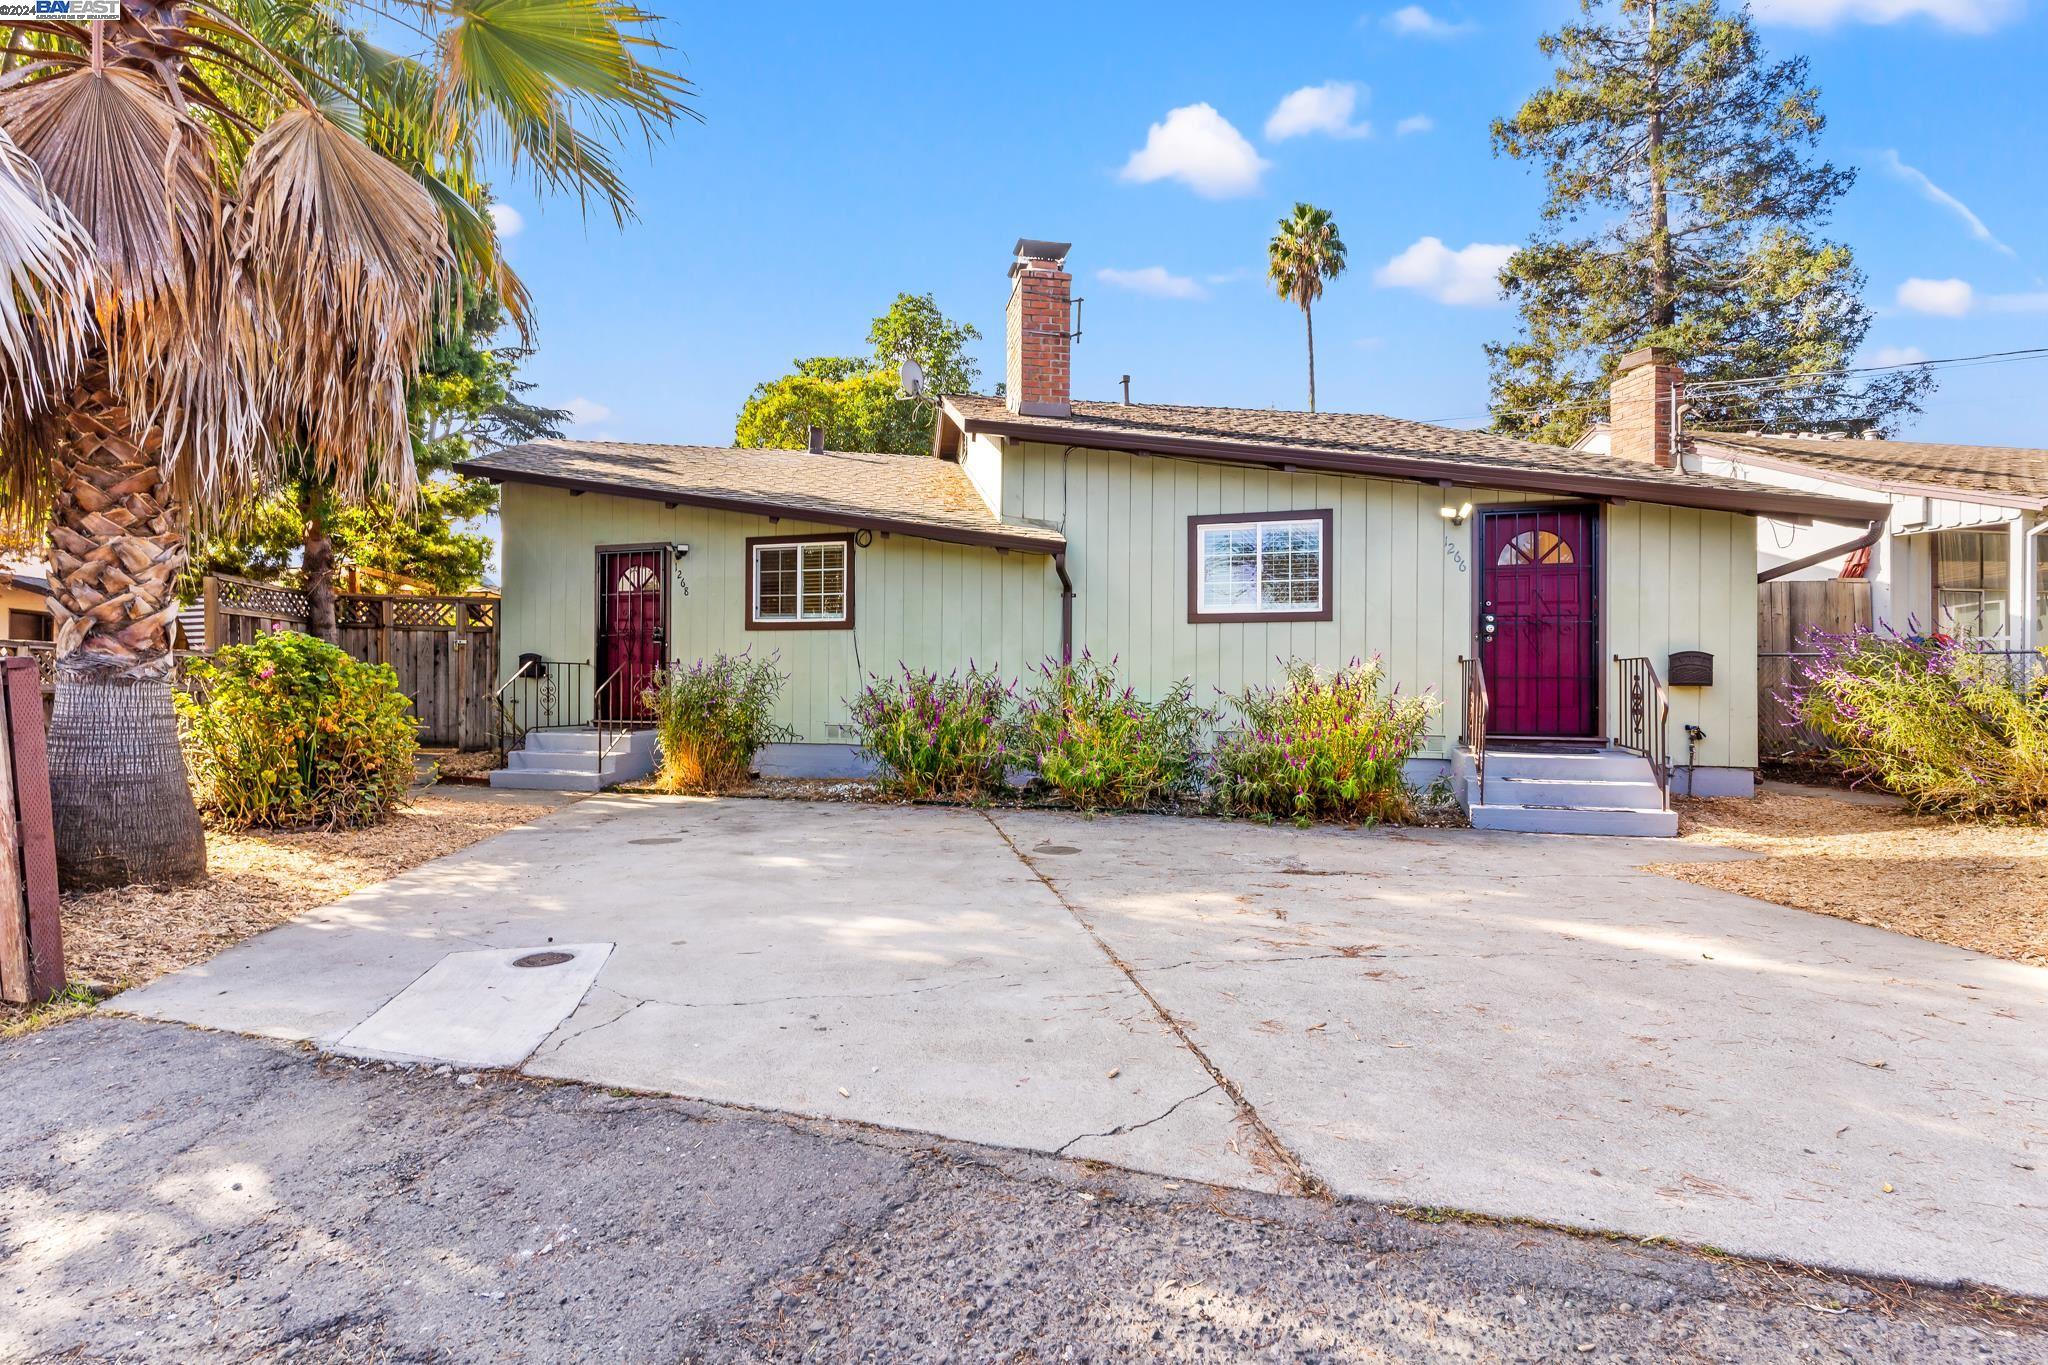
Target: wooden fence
444	649
31	939
1786	613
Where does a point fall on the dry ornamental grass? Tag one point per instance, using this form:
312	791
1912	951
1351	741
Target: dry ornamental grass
1978	886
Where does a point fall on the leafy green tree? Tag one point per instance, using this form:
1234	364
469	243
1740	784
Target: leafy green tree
857	399
1684	208
1303	254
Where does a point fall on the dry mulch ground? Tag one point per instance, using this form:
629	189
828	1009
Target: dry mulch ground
1977	886
126	936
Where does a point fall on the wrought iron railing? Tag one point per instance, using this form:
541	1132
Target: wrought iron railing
557	694
1472	680
1642	713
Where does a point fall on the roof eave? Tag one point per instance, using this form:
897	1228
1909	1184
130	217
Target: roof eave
1424	469
851	519
1791	464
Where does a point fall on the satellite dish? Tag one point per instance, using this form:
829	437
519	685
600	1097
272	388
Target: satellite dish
913	379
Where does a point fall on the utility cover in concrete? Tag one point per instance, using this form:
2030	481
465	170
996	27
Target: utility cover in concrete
481	1008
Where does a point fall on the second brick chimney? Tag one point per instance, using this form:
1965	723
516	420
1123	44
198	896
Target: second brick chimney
1642	408
1038	379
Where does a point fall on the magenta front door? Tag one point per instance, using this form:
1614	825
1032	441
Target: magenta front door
632	599
1539	622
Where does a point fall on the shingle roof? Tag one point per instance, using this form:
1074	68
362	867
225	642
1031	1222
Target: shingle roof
911	493
1368	444
2008	472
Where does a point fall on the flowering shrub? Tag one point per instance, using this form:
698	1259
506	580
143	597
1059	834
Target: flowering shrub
1930	718
711	718
934	736
289	731
1096	744
1322	746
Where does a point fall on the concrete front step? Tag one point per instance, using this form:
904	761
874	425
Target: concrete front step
574	761
1563	790
1644	824
1603	794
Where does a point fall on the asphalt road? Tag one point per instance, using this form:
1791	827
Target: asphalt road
172	1194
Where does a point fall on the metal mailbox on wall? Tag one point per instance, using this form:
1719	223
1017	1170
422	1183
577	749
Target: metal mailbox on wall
1690	668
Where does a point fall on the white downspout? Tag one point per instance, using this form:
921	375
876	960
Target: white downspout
2030	586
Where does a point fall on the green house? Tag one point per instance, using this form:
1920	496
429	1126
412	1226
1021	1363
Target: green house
1577	611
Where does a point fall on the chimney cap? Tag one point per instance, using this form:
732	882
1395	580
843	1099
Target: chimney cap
817	443
1648	355
1031	249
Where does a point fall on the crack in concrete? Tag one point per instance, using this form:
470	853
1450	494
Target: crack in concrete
1207	964
1123	1128
1304	1180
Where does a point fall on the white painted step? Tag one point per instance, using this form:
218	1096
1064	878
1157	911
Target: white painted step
1603	794
1642	824
572	761
1594	765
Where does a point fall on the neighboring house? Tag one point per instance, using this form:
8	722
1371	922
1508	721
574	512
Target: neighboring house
24	588
1961	544
1187	542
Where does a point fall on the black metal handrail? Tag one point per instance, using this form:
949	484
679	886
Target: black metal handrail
1472	680
1642	712
541	694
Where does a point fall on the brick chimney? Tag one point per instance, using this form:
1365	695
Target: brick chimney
1037	376
1642	408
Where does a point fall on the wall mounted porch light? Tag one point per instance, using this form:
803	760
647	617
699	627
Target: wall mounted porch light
1455	515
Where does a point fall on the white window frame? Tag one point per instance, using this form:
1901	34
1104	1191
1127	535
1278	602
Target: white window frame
756	618
1200	606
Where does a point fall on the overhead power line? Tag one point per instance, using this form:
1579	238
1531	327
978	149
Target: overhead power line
1761	384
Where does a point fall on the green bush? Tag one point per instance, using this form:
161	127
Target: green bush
712	718
290	732
1322	747
1096	744
1932	719
934	736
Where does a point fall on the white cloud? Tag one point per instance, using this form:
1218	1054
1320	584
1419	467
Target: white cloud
1468	276
583	412
1935	194
1198	147
509	221
1413	21
1325	108
1896	355
1944	298
1370	343
1968	16
1155	280
1414	123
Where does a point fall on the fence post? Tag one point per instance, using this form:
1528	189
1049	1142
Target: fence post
459	662
31	935
209	594
383	630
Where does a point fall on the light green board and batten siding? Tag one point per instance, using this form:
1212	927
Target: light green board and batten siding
1676	579
916	601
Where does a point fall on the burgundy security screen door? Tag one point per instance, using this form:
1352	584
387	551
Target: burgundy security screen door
632	611
1539	621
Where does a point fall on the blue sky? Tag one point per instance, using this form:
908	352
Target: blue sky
850	152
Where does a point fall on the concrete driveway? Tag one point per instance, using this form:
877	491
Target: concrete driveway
1513	1025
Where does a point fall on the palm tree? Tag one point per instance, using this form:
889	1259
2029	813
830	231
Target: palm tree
228	229
1304	253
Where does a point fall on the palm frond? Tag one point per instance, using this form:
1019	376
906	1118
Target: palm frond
353	259
46	270
139	177
528	73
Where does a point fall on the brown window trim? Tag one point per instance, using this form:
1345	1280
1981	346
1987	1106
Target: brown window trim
747	582
1197	616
